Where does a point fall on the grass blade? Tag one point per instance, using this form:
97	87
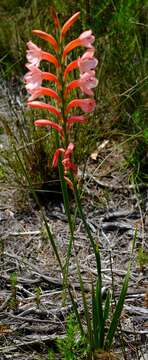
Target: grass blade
86	311
107	306
117	313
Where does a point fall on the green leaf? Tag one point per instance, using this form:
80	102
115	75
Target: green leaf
86	311
107	306
117	313
76	313
95	317
145	134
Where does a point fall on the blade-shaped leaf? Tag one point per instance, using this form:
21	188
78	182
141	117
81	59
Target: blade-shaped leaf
107	306
95	318
117	313
86	311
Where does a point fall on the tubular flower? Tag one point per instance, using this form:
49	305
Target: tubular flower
43	91
35	55
86	105
55	17
44	122
76	119
86	82
69	23
85	39
35	76
87	61
40	105
73	65
43	35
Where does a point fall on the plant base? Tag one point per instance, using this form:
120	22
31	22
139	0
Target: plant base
105	356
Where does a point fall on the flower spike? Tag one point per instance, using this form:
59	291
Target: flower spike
69	23
86	81
43	35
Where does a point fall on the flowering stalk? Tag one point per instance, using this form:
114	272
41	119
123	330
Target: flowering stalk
61	88
64	109
65	112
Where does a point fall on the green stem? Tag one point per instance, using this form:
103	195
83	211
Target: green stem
86	226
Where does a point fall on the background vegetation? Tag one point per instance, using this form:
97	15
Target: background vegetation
120	28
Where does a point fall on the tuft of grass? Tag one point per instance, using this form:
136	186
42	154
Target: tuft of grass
142	258
72	346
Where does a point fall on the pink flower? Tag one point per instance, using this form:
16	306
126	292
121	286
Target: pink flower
86	105
35	76
85	39
35	55
86	82
87	62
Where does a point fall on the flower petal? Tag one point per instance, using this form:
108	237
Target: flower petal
43	35
87	39
87	61
69	23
